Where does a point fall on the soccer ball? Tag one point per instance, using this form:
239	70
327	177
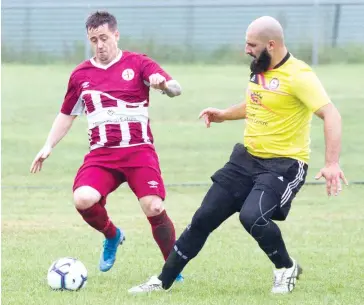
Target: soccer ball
67	273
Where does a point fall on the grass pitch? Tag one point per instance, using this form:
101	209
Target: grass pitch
40	224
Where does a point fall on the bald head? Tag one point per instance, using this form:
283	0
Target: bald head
266	28
265	42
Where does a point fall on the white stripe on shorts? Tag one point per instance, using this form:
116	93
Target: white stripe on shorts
293	184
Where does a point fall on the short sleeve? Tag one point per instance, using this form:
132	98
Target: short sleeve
309	90
149	67
72	104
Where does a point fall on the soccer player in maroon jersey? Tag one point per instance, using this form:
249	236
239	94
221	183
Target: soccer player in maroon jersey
112	90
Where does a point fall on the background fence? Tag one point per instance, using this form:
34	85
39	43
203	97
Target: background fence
184	31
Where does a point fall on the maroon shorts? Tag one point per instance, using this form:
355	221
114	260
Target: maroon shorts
104	169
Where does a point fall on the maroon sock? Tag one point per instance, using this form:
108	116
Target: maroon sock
163	232
96	216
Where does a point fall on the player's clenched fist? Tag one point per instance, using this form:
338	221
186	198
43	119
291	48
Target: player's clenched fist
212	115
40	157
158	81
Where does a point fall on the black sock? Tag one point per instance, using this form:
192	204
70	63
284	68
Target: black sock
217	206
256	217
172	267
273	245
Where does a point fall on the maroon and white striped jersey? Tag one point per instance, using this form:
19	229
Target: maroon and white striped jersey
115	99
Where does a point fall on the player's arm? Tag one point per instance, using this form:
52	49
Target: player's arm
332	130
235	112
61	125
159	79
308	88
71	107
60	128
172	88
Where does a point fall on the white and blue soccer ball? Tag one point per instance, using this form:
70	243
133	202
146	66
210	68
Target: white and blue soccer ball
67	273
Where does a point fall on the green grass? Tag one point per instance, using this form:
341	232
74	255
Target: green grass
40	225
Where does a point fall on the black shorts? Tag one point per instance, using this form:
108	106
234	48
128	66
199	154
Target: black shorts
284	176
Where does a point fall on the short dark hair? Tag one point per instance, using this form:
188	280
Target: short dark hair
100	18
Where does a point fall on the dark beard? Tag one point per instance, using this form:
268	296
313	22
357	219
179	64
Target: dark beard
262	63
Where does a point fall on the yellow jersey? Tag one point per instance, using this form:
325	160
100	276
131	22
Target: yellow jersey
280	104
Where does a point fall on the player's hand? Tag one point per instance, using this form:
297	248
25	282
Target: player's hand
39	159
158	82
333	175
212	115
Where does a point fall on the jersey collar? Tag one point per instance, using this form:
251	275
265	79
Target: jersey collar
283	61
97	65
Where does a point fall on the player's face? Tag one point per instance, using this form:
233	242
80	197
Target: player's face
253	46
104	43
260	51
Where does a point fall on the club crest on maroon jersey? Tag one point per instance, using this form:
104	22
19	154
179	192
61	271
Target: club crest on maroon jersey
128	74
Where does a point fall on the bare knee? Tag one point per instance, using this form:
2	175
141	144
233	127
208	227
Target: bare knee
151	205
85	197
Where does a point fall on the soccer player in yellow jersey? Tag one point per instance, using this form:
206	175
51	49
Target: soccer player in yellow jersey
265	173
